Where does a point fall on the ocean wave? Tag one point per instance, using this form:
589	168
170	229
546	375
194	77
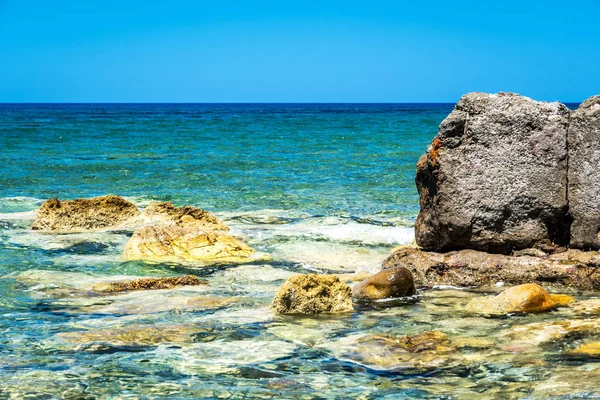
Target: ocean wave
19	204
279	225
23	215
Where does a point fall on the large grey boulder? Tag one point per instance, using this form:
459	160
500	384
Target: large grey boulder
495	177
584	174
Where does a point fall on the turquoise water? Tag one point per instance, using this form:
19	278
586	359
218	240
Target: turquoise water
321	188
326	159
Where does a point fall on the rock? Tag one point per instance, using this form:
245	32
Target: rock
386	284
424	351
584	174
186	243
167	212
573	268
495	177
134	335
437	341
148	284
588	349
546	332
313	294
84	214
526	298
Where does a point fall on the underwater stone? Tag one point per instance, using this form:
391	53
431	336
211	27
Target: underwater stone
84	214
584	174
386	284
149	284
495	177
588	349
313	294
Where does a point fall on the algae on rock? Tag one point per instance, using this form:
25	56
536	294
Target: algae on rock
84	214
313	294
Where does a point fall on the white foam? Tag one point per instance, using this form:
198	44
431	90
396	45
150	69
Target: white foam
14	216
368	234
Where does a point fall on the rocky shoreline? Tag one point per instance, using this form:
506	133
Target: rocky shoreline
502	190
512	298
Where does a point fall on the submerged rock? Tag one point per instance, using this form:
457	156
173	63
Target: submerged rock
588	349
186	243
584	174
495	177
84	214
424	351
313	294
149	284
386	284
527	298
134	335
538	333
573	268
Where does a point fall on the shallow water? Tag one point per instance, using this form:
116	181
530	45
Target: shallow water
319	188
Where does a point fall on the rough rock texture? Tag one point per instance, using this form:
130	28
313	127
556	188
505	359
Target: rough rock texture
495	177
186	243
313	294
386	284
584	174
526	298
84	214
167	212
149	284
573	268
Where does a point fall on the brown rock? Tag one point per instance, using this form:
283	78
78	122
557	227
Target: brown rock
167	212
573	268
187	242
313	294
426	341
149	284
84	214
526	298
386	284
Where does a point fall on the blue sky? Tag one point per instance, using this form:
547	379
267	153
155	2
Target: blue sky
287	51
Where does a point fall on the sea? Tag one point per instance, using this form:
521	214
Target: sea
320	188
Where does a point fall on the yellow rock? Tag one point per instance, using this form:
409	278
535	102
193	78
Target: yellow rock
187	242
313	294
148	284
526	298
138	335
589	349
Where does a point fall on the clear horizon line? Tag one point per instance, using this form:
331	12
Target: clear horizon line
237	103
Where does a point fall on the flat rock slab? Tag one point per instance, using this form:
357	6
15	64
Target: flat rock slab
573	268
495	177
187	243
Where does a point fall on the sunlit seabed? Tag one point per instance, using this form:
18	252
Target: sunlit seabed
340	207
